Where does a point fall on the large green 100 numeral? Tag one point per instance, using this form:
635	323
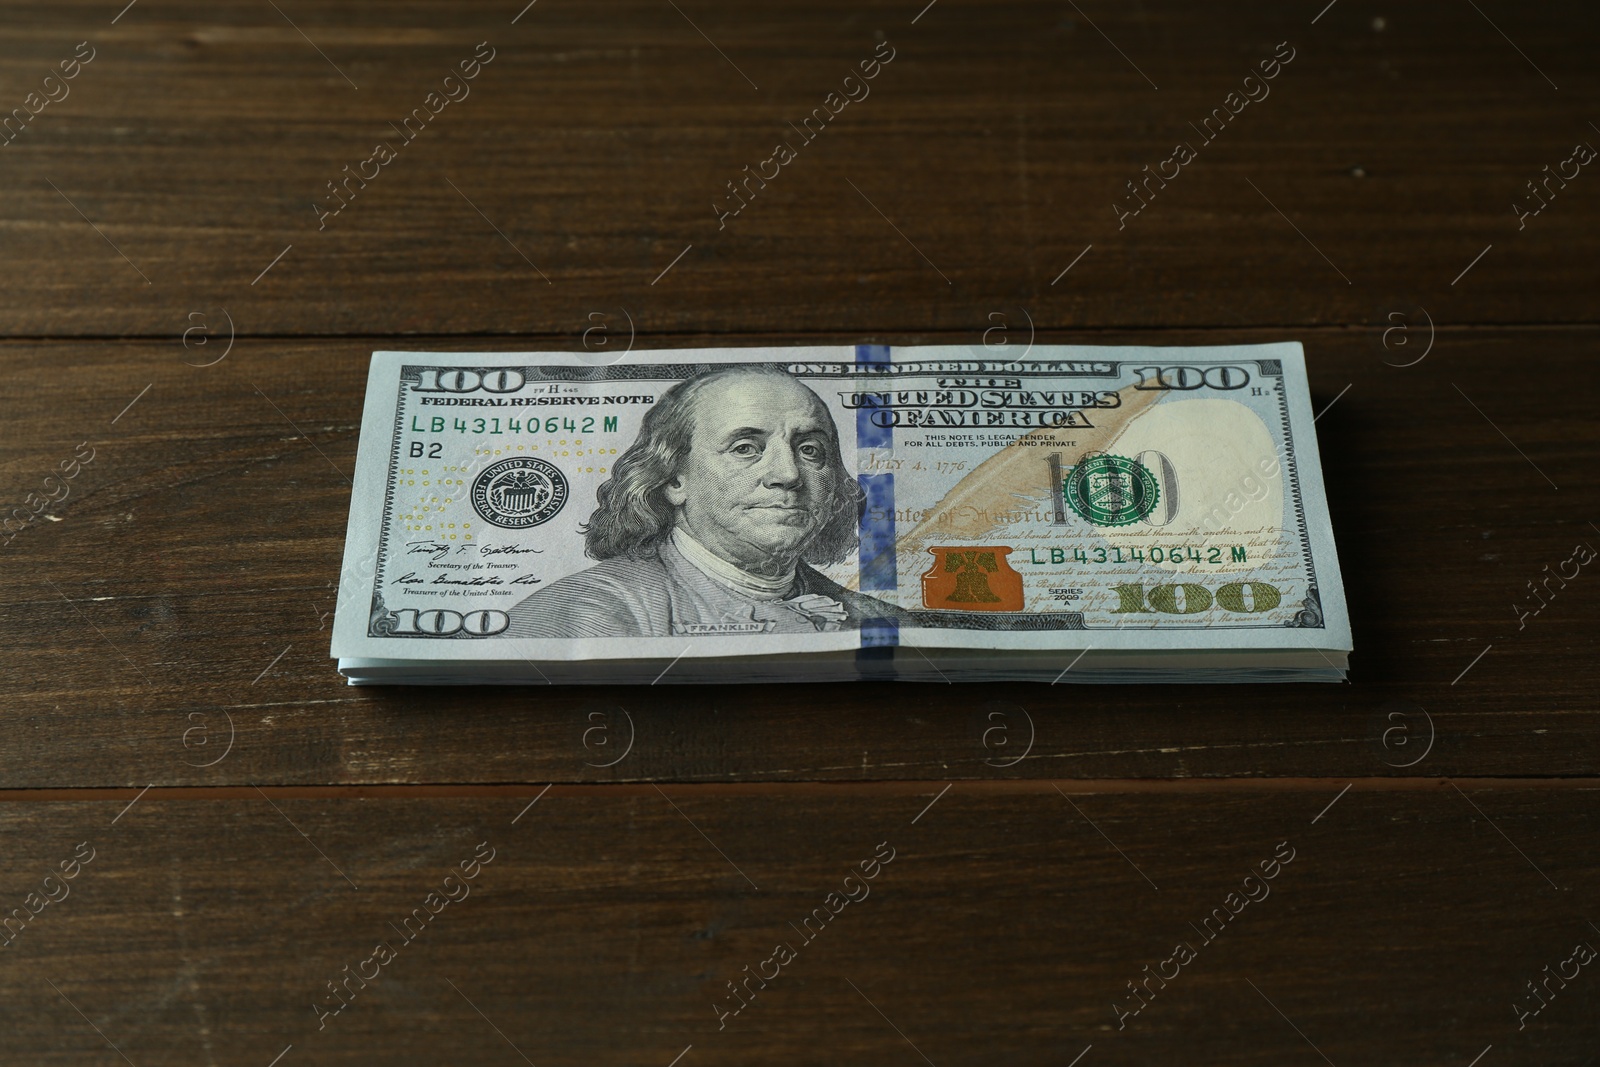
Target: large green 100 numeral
1188	598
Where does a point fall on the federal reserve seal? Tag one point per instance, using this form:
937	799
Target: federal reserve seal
519	493
1111	490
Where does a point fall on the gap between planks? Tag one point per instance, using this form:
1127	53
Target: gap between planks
897	787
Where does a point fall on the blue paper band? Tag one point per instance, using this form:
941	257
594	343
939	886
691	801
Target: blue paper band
877	555
879	633
868	433
877	532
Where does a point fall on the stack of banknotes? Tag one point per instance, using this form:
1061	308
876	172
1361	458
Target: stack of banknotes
939	514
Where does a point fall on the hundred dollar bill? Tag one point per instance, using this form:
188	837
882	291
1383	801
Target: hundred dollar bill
940	513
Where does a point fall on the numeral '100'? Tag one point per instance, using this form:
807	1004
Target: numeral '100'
1189	598
442	622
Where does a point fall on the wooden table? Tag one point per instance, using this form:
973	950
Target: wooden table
176	302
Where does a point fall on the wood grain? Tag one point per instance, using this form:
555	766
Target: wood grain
206	540
599	137
1005	927
167	624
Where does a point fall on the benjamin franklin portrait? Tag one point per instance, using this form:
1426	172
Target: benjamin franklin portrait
714	520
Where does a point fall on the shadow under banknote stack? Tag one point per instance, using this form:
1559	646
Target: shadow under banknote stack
816	514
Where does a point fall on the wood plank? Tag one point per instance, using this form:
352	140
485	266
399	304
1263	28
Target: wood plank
201	549
599	137
167	624
606	927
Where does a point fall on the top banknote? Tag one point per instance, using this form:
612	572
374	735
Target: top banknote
1089	514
